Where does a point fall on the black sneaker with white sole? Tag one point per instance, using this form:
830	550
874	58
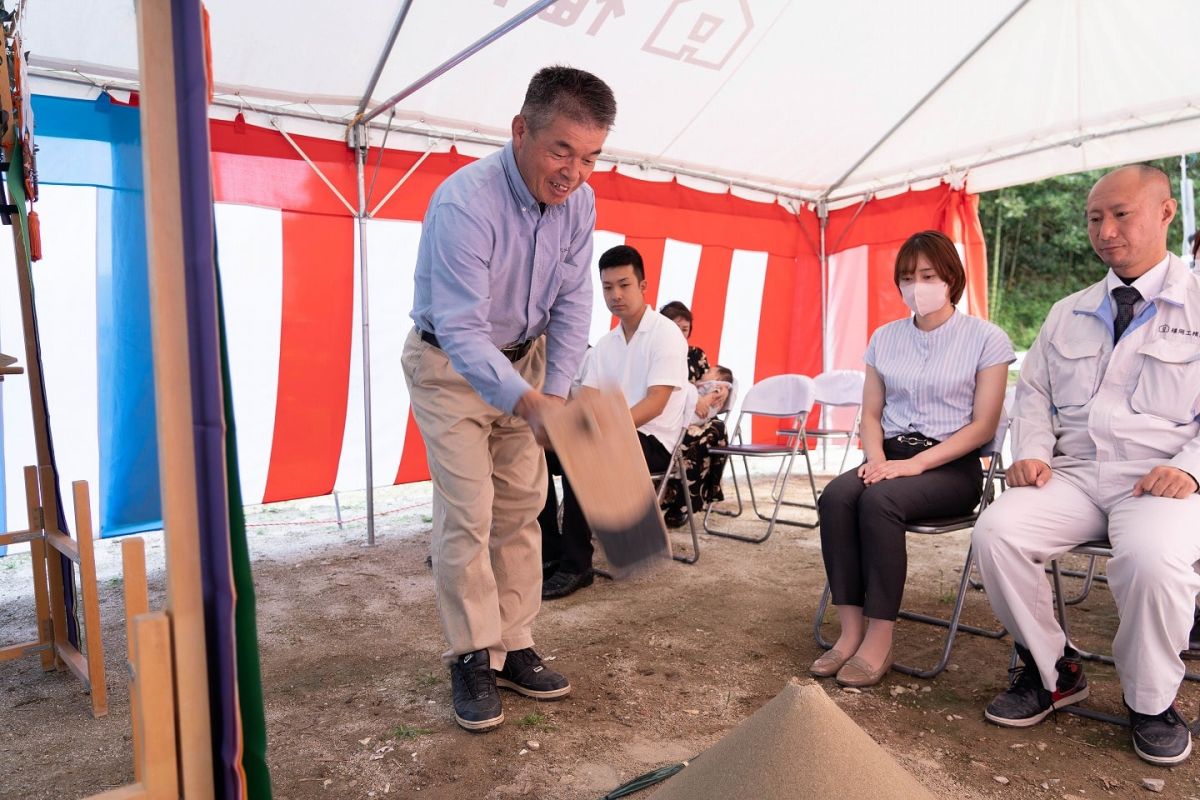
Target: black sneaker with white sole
526	673
476	698
1026	701
1162	739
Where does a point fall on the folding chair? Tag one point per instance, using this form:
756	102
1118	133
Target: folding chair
837	388
939	526
787	397
677	468
1093	550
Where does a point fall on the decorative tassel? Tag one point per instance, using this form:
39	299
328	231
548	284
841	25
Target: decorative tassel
35	237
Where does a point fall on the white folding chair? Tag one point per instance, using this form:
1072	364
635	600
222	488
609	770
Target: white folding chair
677	468
784	397
836	388
953	624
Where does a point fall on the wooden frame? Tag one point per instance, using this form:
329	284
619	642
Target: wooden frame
151	688
46	543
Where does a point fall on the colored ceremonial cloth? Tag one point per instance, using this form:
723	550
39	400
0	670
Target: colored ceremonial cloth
209	402
16	193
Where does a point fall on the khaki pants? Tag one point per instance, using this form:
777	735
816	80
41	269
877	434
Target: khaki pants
489	484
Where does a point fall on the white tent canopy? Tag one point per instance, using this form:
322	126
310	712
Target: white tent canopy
809	100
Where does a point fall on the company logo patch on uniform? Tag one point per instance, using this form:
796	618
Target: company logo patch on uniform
1165	329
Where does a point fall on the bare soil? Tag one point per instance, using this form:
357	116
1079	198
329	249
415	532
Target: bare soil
663	666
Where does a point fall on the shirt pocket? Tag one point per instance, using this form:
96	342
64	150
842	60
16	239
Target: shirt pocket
1169	384
1074	371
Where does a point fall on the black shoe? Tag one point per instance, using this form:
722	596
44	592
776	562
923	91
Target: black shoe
525	672
561	584
476	698
548	569
1026	702
675	518
1160	738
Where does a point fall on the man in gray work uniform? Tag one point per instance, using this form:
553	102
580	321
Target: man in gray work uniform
502	310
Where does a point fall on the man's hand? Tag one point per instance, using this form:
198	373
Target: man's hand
1164	481
532	407
886	470
1029	472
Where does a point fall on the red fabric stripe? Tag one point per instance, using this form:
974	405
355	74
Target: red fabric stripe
414	465
652	258
708	300
314	355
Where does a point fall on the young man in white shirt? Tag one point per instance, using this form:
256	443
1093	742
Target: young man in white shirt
646	357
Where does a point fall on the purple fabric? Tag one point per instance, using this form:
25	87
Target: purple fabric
191	91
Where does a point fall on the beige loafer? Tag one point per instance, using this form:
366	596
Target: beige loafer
828	664
859	674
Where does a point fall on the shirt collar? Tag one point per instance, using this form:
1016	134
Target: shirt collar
1149	284
517	186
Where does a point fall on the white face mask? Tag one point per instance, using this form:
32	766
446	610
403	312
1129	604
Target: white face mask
925	297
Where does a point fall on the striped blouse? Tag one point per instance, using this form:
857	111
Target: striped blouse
929	376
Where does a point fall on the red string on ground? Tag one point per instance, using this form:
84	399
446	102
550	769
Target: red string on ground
334	521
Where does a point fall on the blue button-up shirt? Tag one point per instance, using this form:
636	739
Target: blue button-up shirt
493	269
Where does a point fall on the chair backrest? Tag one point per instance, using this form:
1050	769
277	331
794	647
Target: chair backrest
690	397
840	387
780	396
997	445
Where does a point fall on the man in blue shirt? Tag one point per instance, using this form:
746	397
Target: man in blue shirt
502	308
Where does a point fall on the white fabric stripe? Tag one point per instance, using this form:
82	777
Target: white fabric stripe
391	257
743	307
65	286
250	242
681	263
848	287
601	316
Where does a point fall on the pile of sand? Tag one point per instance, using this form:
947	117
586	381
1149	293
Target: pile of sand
800	745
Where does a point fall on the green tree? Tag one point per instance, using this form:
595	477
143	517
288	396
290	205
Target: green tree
1039	248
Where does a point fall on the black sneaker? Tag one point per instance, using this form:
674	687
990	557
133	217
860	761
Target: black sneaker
476	698
561	584
1026	702
675	518
1160	738
525	672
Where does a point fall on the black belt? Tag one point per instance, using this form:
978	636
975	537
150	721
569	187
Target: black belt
914	440
513	352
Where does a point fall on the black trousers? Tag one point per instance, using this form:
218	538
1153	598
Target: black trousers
863	527
572	548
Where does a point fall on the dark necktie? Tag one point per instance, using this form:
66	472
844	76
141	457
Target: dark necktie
1126	297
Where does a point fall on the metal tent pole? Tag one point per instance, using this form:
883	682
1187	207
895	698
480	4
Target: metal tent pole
359	140
925	98
823	216
383	57
455	60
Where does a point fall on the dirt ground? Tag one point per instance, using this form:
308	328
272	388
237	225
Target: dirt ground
662	666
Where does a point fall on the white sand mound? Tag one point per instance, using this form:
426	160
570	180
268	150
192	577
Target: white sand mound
796	747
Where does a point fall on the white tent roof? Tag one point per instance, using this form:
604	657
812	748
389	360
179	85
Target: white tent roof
807	99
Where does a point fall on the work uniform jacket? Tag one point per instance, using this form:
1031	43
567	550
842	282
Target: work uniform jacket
1081	397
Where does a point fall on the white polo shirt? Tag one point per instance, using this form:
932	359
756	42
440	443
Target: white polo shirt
656	355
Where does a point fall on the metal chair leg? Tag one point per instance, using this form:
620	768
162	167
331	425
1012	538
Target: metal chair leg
687	505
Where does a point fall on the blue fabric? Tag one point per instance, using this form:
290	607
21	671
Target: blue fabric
98	143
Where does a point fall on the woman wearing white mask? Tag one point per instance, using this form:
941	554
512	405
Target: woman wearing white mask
933	396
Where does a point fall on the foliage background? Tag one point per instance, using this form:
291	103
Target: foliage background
1038	248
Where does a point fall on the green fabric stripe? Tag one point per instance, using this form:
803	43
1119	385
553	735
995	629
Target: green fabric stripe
250	696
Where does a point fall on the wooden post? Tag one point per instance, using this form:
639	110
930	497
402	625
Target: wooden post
58	611
91	598
150	682
37	553
173	395
137	602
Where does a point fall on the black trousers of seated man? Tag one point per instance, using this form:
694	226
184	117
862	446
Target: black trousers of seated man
572	547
